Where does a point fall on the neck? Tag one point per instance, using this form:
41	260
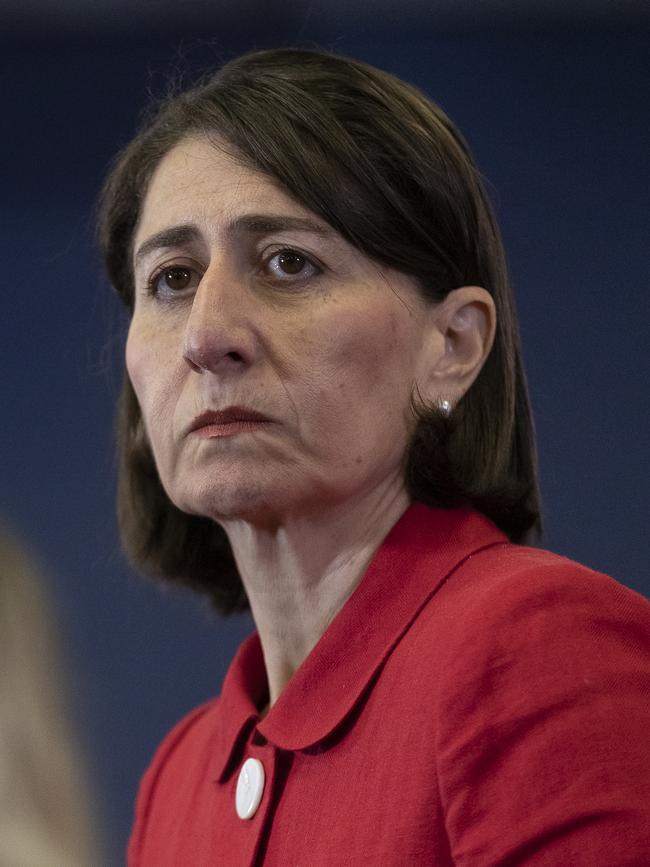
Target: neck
299	574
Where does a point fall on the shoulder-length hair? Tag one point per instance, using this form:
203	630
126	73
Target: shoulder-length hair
382	164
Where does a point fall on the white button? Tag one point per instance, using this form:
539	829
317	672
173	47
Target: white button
250	787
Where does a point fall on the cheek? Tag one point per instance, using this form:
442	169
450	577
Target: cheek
373	354
139	366
150	366
366	381
360	364
134	360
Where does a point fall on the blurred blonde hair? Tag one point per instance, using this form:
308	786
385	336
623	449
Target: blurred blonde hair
46	819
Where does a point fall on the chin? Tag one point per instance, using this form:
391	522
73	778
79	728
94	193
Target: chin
263	500
243	499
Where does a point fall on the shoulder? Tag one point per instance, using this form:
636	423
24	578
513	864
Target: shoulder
535	624
542	673
175	765
188	735
507	584
509	566
525	615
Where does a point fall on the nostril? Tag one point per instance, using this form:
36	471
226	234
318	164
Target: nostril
194	366
208	350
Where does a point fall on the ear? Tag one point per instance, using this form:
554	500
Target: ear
463	328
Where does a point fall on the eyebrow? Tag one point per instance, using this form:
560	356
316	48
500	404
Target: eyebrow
253	224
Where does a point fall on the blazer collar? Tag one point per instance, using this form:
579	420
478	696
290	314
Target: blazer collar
420	552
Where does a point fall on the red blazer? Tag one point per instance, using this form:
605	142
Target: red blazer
474	703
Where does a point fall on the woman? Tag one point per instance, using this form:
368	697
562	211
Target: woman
325	418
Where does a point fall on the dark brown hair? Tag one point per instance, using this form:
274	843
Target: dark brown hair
384	166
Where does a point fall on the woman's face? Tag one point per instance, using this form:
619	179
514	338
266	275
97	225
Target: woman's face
273	362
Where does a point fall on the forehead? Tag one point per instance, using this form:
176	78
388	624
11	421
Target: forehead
199	182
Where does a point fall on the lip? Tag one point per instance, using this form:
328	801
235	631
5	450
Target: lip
226	422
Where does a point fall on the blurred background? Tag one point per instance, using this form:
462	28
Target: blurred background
553	98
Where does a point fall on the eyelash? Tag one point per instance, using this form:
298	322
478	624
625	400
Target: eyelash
152	284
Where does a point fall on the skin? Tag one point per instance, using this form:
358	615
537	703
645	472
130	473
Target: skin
325	343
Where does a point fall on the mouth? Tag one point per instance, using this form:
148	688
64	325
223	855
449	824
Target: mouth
226	422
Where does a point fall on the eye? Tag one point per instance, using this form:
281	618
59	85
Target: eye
173	280
287	264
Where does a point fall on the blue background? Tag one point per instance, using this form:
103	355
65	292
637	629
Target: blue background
557	115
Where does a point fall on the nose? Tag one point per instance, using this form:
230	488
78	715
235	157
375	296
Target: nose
218	334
